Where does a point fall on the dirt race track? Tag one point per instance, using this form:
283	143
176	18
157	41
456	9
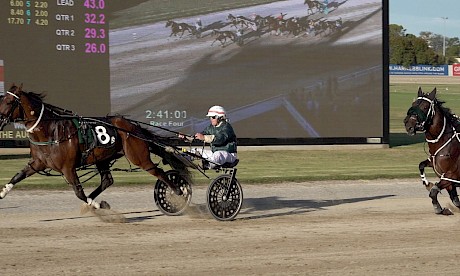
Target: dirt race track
315	228
423	80
378	227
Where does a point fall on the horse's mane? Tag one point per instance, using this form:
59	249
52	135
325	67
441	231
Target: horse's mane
39	96
447	112
55	109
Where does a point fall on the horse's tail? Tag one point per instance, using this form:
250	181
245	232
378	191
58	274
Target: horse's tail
171	157
160	146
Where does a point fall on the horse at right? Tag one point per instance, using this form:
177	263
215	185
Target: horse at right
442	134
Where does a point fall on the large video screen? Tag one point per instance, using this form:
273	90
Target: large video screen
287	72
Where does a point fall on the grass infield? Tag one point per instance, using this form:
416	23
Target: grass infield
400	160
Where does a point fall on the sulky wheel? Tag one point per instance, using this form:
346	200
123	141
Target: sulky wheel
167	200
224	199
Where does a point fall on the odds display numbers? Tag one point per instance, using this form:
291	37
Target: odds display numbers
61	48
25	12
78	26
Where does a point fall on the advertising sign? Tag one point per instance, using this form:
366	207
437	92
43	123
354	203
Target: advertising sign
456	69
419	70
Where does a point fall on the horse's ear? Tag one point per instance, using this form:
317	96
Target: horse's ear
432	94
420	92
20	87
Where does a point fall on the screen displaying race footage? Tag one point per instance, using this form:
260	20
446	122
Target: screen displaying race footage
290	71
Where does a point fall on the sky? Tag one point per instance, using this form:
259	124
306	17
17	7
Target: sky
426	15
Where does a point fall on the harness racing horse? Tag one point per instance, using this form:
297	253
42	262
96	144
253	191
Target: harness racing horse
441	126
222	37
260	21
55	143
239	20
314	4
335	25
179	28
292	26
275	24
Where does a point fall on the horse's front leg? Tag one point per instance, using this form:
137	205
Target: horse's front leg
31	168
106	181
421	167
72	178
434	191
454	196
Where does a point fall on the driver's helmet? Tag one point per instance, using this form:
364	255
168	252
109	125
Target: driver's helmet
216	110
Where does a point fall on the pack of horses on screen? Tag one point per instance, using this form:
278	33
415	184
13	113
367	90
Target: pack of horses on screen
237	27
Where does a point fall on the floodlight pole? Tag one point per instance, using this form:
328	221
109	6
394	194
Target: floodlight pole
444	39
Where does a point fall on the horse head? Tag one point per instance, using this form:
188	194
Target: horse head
9	104
169	23
420	114
17	104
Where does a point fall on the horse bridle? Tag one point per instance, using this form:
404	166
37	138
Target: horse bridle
423	120
17	102
7	118
416	111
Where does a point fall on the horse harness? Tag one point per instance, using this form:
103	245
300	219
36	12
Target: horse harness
91	133
424	125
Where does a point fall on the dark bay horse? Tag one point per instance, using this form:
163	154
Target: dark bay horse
314	4
222	37
261	21
441	128
275	24
181	28
292	26
56	142
239	21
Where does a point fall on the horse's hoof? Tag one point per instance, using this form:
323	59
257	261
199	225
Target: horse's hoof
184	191
178	191
105	205
6	190
429	186
446	212
456	203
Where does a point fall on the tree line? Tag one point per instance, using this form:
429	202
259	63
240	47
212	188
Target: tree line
427	48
